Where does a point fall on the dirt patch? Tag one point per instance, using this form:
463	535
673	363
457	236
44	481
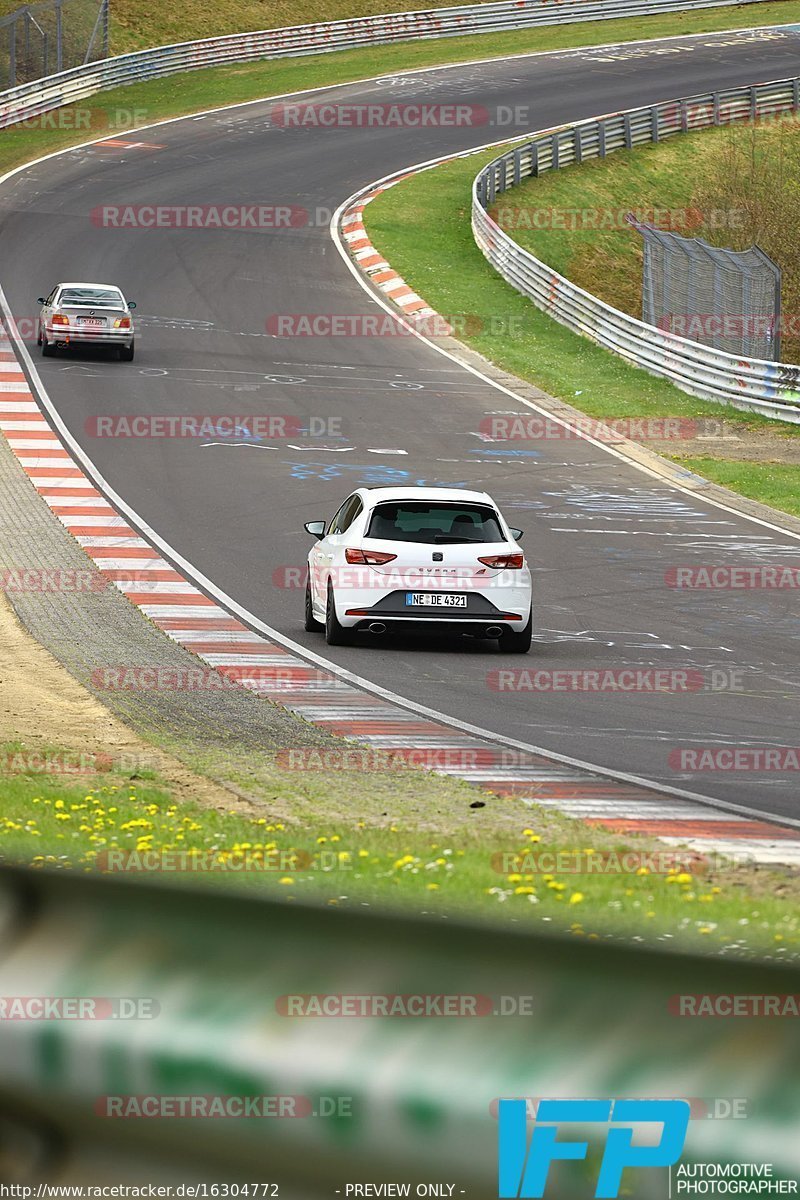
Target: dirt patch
735	442
42	707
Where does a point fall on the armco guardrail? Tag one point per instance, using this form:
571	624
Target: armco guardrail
71	86
772	389
226	994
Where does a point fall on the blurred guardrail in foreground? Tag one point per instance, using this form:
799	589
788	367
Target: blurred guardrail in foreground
770	388
70	86
208	993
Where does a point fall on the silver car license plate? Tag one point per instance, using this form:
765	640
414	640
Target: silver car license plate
96	322
434	600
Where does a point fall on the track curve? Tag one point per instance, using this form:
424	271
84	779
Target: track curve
601	534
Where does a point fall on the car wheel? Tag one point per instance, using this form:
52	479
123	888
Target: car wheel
518	642
126	353
335	634
311	624
48	348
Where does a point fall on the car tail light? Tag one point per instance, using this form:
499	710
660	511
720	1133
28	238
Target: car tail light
368	558
122	323
504	562
59	320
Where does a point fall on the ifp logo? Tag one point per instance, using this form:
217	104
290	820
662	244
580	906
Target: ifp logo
524	1168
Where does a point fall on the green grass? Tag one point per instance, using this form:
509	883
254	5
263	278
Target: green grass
448	270
61	822
772	483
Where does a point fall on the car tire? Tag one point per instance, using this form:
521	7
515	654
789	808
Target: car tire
335	634
310	624
518	642
48	348
126	352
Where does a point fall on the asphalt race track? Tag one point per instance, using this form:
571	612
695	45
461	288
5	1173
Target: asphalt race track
600	535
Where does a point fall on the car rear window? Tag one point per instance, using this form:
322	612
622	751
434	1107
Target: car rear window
99	296
432	524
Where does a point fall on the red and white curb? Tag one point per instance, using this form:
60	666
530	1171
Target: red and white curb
372	263
227	645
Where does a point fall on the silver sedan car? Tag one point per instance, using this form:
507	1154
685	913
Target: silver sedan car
97	313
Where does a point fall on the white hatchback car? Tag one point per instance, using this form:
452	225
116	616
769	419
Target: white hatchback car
413	557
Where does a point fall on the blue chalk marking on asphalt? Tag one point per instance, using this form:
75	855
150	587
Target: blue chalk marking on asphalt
368	474
241	432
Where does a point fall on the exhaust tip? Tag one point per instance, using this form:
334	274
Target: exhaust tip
376	627
494	631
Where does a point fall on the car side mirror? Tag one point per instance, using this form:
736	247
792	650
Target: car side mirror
40	300
131	304
315	528
517	534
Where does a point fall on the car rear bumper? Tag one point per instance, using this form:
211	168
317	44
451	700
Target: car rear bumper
98	337
507	608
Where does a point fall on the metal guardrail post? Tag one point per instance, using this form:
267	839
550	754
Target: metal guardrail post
12	54
59	37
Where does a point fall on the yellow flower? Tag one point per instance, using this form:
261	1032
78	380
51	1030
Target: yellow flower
514	878
576	898
643	871
59	804
684	877
524	891
321	841
286	879
432	887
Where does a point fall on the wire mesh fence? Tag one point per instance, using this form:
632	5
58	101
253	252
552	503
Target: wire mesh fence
53	35
729	300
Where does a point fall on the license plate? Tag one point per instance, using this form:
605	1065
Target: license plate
434	600
94	321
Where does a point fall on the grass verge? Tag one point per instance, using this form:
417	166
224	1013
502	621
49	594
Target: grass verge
117	822
448	270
